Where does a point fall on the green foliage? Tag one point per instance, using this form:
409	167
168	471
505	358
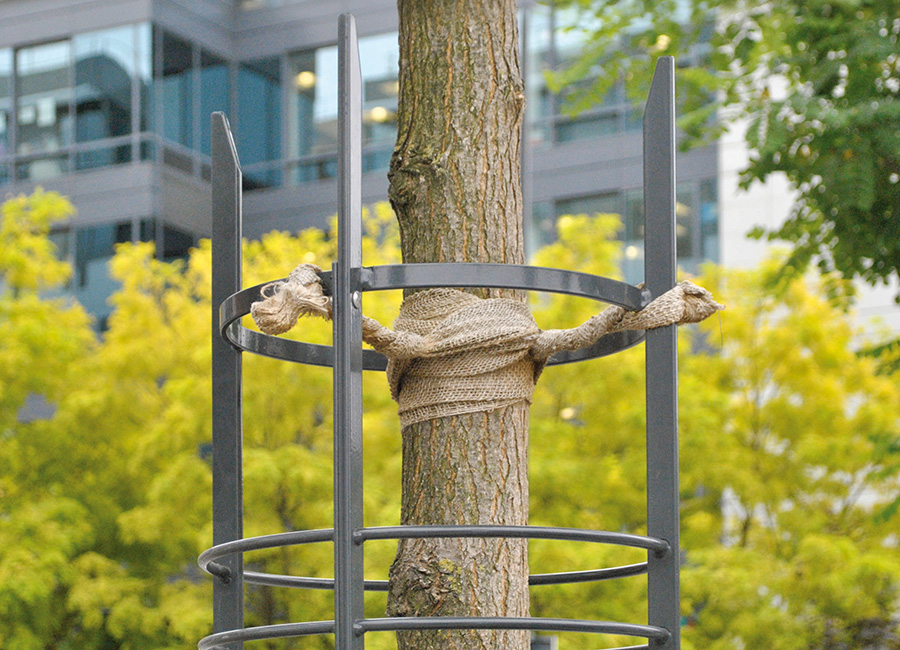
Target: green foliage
817	83
790	460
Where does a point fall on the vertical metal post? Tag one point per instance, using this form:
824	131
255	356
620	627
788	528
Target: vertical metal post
661	351
347	303
228	593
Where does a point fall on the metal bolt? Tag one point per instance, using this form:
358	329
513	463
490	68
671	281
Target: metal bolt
356	299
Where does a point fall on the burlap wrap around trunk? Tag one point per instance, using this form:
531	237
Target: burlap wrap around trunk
451	352
471	356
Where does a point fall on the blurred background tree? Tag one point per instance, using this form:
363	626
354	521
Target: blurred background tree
815	83
790	456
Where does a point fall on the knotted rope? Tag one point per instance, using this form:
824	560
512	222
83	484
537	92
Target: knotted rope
451	352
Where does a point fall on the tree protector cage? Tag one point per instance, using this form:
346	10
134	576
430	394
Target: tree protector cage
345	283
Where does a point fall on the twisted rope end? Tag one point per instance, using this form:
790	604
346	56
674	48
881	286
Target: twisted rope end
699	303
285	301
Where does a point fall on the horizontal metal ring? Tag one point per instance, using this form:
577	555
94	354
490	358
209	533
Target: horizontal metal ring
397	276
292	538
658	634
285	630
659	547
562	578
499	276
281	631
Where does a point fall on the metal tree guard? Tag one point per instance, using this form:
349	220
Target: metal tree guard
346	282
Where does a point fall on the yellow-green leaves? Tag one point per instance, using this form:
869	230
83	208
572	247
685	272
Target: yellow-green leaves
789	443
28	258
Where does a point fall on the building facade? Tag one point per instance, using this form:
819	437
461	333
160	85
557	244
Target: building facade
108	102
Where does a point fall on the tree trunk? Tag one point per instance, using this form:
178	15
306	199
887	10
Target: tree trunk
454	184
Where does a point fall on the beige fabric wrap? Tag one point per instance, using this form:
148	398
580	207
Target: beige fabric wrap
451	352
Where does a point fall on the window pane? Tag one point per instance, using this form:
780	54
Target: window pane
176	243
44	93
94	247
144	72
312	122
104	67
258	128
543	225
214	93
175	87
5	111
5	99
313	109
709	220
379	66
686	221
610	203
538	60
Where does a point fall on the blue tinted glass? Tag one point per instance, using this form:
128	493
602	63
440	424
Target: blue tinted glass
312	113
709	220
214	93
258	128
609	203
94	248
538	59
143	45
379	62
5	104
176	91
686	232
104	69
176	243
44	123
313	109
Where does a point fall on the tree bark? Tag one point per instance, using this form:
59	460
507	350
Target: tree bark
455	186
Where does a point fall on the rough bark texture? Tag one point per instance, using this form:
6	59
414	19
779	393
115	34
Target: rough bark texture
456	191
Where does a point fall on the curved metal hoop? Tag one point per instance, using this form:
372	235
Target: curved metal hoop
650	632
560	578
401	276
658	547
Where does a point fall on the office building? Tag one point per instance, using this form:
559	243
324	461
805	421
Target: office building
108	102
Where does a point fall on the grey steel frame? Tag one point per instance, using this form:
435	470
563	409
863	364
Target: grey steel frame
345	283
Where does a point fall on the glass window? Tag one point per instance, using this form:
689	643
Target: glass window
313	108
379	65
609	203
5	111
176	89
5	99
94	247
43	97
543	225
685	220
171	242
60	238
633	216
143	45
104	69
633	236
538	60
176	243
312	119
258	128
214	93
709	220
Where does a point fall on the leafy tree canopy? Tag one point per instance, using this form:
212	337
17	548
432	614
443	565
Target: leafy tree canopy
790	454
815	82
